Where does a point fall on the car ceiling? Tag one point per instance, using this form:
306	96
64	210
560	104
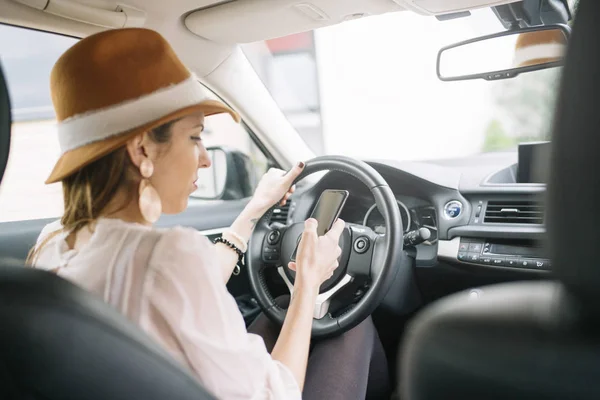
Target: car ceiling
214	28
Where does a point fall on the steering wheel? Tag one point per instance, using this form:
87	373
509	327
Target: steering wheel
367	265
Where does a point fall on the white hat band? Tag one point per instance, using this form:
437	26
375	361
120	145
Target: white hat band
83	129
538	51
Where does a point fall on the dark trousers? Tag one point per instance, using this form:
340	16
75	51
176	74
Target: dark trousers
347	367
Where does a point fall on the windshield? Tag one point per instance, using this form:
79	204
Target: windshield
368	88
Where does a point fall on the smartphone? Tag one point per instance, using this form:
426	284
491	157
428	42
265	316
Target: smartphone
327	211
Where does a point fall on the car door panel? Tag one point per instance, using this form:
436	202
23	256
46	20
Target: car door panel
17	238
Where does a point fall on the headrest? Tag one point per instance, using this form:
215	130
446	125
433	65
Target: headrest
5	124
573	218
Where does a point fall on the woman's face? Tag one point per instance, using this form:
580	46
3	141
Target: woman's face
176	163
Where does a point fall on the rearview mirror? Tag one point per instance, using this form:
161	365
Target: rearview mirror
504	55
231	176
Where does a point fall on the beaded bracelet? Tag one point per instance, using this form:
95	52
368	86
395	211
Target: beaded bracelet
236	269
243	243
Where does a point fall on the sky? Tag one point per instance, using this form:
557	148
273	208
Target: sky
381	97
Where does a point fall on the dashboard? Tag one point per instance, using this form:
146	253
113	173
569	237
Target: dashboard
415	213
470	200
485	226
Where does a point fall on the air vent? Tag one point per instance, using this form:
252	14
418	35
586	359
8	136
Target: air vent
514	212
280	214
427	217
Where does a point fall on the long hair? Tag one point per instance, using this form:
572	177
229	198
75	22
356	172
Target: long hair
89	191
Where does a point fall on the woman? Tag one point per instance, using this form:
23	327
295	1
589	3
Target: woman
130	129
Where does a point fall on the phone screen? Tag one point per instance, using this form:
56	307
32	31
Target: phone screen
327	211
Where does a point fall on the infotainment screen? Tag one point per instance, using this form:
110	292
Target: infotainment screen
534	160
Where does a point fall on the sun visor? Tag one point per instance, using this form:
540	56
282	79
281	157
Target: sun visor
252	21
440	7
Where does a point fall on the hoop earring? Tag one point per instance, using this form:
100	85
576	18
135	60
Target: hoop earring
149	200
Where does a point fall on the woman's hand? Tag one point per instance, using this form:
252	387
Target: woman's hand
317	257
315	262
275	187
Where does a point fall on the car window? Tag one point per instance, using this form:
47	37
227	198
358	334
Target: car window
368	88
27	58
222	131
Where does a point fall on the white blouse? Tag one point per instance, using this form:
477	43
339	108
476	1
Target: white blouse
185	306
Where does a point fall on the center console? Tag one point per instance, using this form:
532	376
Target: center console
511	253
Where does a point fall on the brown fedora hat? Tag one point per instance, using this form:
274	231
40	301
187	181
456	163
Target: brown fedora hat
539	47
114	85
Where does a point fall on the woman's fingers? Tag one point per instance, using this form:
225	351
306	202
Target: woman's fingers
275	187
285	199
319	256
336	230
293	173
334	266
332	269
309	238
310	231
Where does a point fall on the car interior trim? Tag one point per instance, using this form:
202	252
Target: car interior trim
323	299
454	251
213	232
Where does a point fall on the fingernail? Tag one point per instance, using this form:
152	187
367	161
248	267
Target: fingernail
301	164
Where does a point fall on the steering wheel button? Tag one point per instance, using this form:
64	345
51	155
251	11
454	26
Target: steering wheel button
273	237
361	245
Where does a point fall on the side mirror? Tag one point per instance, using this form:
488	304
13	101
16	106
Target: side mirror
505	54
231	176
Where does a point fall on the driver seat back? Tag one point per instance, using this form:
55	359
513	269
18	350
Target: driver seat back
58	341
532	340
